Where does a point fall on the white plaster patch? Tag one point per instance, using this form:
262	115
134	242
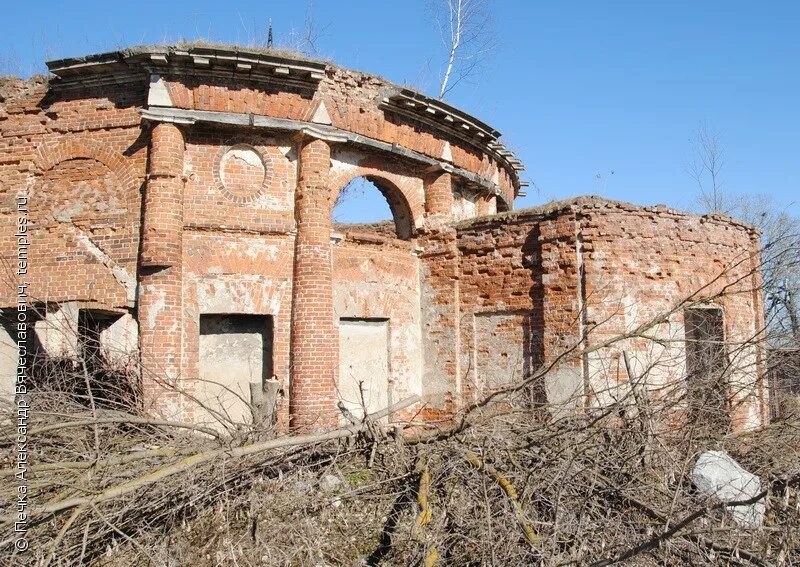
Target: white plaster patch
247	155
237	294
321	115
447	152
57	333
119	340
158	95
157	306
344	161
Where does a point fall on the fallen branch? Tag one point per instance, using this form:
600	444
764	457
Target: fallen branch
510	491
207	456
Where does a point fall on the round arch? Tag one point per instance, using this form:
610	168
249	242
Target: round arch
401	208
50	155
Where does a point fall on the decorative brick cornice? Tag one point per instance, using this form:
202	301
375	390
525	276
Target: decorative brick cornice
283	71
457	123
259	65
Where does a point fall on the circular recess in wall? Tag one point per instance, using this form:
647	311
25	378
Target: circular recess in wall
242	174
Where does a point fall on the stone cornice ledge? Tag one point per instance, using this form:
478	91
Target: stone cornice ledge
188	58
318	131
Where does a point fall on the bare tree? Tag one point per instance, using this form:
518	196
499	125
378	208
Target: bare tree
466	31
781	260
307	40
780	235
706	167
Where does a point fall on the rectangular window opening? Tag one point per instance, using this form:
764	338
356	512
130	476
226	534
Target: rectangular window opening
364	370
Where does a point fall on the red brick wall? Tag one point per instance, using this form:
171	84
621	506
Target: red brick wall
526	276
79	157
381	280
642	263
352	100
238	272
161	274
440	305
239	220
264	206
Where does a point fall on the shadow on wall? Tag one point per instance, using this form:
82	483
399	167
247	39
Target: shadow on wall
533	323
88	375
508	324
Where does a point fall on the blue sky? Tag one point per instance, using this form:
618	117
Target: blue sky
578	88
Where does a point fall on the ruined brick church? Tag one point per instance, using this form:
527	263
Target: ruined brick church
180	209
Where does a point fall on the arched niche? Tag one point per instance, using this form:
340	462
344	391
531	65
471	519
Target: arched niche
83	178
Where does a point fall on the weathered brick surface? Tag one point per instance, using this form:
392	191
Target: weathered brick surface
352	100
161	272
163	206
243	273
78	158
379	279
314	356
582	274
439	195
236	219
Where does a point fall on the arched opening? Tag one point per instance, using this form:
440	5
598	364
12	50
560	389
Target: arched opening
373	204
502	204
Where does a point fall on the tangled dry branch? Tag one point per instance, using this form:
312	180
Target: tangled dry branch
509	486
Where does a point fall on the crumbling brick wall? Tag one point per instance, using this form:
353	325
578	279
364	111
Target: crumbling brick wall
579	274
171	183
79	157
643	262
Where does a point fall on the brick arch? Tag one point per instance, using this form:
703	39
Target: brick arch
407	208
50	155
503	204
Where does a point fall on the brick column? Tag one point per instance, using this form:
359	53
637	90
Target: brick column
315	334
439	196
163	200
161	272
440	299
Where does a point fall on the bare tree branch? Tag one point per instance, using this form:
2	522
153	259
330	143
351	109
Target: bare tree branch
466	31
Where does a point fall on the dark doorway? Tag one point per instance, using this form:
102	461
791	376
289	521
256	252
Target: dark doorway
706	367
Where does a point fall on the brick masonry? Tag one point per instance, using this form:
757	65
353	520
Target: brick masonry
169	218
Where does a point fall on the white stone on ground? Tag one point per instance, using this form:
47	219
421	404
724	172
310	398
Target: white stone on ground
717	475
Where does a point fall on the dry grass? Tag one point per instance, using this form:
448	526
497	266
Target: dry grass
509	486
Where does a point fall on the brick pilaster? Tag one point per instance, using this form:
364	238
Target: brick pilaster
161	272
315	335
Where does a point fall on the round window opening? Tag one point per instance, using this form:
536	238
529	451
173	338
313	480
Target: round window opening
242	173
